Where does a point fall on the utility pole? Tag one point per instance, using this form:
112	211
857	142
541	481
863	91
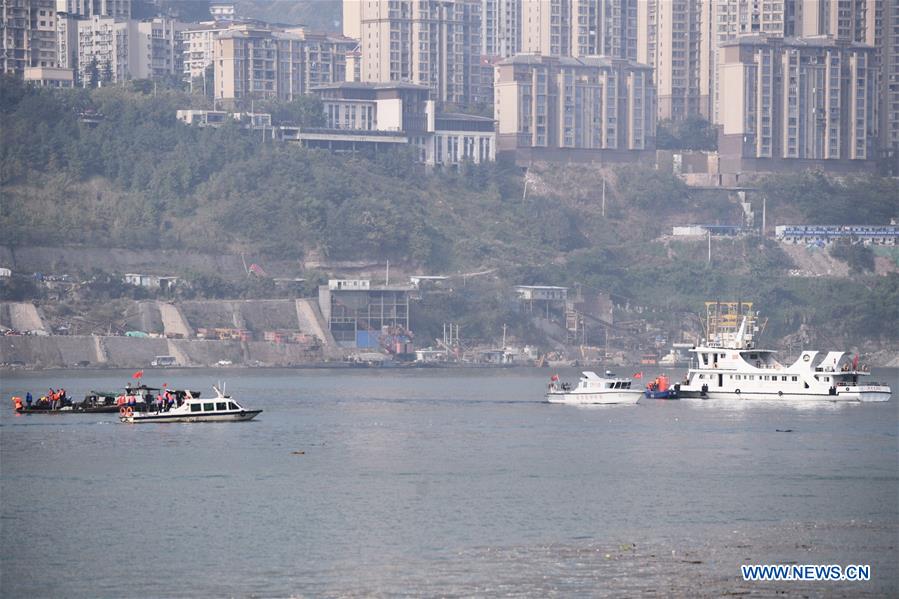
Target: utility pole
710	246
387	275
603	197
764	214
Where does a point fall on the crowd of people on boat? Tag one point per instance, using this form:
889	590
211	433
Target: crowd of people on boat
55	399
143	399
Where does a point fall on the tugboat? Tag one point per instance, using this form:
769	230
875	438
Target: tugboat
221	408
593	389
728	365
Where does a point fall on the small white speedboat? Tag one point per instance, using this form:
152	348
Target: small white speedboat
221	408
594	389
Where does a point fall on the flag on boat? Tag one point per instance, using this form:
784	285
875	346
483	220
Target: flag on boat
554	378
137	374
855	362
638	375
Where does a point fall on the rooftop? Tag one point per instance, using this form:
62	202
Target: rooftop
372	85
568	61
817	41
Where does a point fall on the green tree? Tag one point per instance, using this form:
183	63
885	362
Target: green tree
692	133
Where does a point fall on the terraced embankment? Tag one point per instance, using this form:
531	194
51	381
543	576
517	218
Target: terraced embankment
172	326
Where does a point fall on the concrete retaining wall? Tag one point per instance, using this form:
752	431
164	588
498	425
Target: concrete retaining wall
61	351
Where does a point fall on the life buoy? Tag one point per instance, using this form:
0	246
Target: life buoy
242	413
737	391
122	411
780	393
129	412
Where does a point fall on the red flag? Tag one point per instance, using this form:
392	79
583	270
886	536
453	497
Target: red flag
554	378
164	385
855	362
137	374
638	375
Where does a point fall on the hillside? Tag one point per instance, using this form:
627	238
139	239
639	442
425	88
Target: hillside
142	182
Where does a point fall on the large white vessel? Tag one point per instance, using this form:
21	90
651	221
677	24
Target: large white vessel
729	366
593	389
221	408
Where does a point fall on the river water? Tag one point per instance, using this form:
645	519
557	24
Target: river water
440	482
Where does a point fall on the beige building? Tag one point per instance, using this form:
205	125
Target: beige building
796	99
257	64
428	42
588	103
324	56
28	35
198	48
49	76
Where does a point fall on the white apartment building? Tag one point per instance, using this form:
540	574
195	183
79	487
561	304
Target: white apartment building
122	49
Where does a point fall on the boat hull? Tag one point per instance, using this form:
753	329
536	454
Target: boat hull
852	395
241	416
667	394
617	396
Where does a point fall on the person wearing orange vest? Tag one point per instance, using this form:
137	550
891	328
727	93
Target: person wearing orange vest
18	402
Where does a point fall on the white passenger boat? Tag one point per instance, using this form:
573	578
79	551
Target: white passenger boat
731	367
221	408
593	389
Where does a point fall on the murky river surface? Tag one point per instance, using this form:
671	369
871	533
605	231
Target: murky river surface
440	482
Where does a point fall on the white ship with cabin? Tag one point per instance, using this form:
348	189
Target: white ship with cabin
593	389
728	365
221	408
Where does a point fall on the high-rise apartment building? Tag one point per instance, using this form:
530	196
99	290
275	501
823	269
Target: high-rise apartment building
500	27
436	43
671	41
808	99
872	22
887	44
726	20
28	35
587	103
95	8
843	19
580	27
156	48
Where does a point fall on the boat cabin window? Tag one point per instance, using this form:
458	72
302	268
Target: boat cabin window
209	407
221	405
795	378
753	356
232	406
195	407
783	378
737	376
702	376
